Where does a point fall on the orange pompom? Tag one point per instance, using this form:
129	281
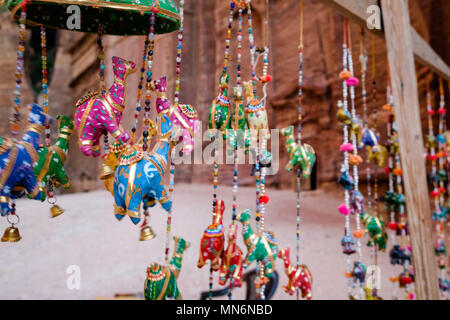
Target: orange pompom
387	107
397	172
344	75
358	234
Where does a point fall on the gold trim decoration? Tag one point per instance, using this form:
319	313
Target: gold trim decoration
12	161
45	167
61	153
33	153
4	199
114	104
84	117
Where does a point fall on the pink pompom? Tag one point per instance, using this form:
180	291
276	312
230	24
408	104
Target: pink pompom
346	147
343	209
411	296
352	82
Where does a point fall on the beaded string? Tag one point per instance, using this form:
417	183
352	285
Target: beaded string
261	184
139	91
241	6
392	223
151	43
101	56
345	167
251	40
299	138
375	125
398	184
374	208
355	145
15	119
440	220
216	142
176	102
50	192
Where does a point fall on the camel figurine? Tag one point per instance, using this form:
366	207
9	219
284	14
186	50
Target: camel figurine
219	113
161	282
50	165
17	176
260	247
300	277
256	112
238	136
113	158
232	261
140	179
212	242
375	228
183	116
302	156
100	113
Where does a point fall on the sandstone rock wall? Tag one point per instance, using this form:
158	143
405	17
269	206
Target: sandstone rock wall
205	30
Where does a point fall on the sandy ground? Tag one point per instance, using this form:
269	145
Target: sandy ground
112	260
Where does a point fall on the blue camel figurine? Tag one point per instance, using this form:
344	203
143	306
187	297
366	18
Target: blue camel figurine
141	181
17	177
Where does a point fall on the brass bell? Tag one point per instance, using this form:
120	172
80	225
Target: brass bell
56	211
147	233
11	235
106	172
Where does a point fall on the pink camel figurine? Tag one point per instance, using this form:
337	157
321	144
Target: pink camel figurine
100	113
184	116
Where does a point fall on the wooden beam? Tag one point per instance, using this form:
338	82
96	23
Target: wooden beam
399	42
356	10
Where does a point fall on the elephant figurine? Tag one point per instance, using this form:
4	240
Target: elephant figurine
394	201
141	178
238	136
184	116
219	113
378	153
346	181
300	277
256	112
50	166
375	228
260	247
302	156
399	255
348	245
358	274
369	138
17	176
100	113
213	241
161	282
232	261
356	202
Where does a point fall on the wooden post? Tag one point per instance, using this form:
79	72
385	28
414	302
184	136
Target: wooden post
404	86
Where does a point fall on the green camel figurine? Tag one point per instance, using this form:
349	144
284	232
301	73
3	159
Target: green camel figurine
262	247
303	156
376	231
50	166
161	282
219	113
238	136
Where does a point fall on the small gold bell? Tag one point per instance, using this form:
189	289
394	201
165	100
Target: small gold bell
56	211
147	233
11	235
107	172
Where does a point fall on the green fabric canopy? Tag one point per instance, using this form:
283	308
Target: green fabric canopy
117	17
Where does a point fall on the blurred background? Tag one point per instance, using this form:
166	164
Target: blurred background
111	259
